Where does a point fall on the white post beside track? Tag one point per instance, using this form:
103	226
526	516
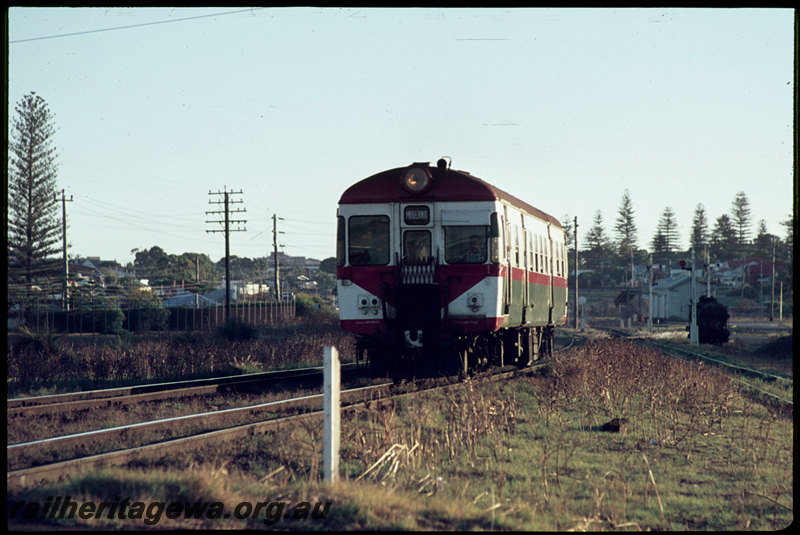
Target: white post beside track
331	386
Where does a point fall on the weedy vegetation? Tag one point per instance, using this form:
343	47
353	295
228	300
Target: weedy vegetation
615	436
47	364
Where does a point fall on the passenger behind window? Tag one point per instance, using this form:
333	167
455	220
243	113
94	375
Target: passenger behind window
417	246
364	249
476	253
465	245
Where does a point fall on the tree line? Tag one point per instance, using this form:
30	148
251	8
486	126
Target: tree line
729	238
34	227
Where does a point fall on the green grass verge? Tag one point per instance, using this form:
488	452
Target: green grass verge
692	452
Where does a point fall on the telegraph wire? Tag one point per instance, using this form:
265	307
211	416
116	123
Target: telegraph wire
92	213
128	224
118	208
144	24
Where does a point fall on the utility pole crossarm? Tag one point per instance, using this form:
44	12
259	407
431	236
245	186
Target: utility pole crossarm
575	306
65	270
226	222
275	233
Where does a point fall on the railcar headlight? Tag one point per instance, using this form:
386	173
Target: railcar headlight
367	301
416	179
474	301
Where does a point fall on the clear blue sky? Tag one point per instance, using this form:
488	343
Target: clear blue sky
564	108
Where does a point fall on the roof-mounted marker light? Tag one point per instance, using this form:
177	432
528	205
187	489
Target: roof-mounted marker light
417	179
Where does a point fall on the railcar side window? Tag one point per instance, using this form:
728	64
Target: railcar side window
494	238
548	257
369	240
557	251
340	241
465	245
416	245
529	251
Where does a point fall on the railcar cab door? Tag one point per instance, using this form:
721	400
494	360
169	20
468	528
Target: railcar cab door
416	240
417	291
364	261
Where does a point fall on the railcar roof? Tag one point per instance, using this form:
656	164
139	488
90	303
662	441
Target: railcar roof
448	185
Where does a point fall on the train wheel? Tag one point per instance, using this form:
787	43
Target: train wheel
548	339
378	361
465	357
494	352
362	356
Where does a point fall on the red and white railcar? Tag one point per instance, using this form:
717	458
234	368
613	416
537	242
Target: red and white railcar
439	271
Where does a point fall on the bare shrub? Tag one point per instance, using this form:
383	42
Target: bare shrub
669	398
165	356
392	439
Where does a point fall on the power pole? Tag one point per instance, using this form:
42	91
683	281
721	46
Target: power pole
197	282
226	202
650	298
708	273
694	338
772	298
65	270
275	233
575	305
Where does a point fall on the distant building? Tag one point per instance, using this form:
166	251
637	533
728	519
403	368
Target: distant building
188	299
95	270
631	303
253	288
672	296
87	270
751	270
217	296
305	283
285	260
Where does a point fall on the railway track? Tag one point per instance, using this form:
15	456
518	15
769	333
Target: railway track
76	445
126	396
36	461
715	360
740	370
165	430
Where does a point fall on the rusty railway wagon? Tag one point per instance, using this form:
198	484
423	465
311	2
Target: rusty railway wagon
440	272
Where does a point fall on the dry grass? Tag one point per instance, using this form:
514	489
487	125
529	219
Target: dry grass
68	364
526	454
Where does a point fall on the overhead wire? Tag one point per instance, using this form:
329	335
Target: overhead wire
142	219
127	221
130	26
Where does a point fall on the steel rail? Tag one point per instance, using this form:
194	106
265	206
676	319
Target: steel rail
721	362
88	439
740	369
118	397
53	471
616	333
112	396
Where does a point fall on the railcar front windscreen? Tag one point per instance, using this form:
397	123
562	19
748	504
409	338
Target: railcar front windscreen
368	240
416	245
465	245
